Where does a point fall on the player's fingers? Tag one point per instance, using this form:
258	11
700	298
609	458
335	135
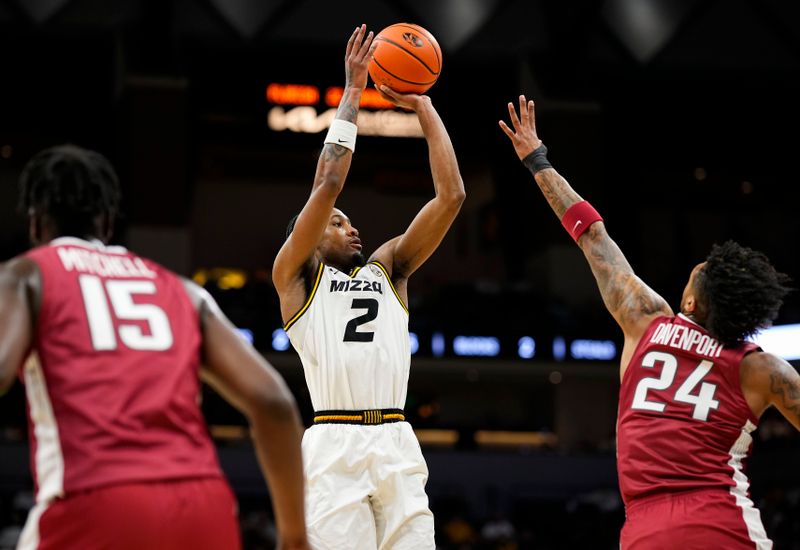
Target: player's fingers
365	46
513	114
523	109
506	130
371	52
387	91
359	36
531	114
383	94
351	42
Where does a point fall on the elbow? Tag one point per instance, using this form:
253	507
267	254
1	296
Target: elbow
454	203
275	406
455	198
330	184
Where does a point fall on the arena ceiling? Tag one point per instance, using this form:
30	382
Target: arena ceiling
693	34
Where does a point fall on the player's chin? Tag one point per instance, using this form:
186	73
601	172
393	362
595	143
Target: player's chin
358	259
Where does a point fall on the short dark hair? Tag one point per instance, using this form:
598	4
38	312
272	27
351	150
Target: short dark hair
741	290
290	227
72	185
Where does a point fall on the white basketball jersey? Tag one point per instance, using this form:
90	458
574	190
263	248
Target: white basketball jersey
352	338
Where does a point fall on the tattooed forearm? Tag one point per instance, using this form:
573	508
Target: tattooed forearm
348	106
348	110
557	191
788	391
627	298
332	152
610	269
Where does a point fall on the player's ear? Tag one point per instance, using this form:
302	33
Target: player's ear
34	232
36	227
107	227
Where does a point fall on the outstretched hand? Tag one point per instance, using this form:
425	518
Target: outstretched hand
360	49
410	102
523	136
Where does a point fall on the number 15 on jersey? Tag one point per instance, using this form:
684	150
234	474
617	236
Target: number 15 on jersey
129	315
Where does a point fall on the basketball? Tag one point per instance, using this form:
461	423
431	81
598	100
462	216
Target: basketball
407	59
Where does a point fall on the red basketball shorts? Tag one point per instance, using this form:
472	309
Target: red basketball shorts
693	520
172	515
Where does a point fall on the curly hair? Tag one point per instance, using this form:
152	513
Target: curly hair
741	290
72	185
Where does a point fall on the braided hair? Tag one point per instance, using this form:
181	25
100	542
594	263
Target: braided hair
72	186
742	292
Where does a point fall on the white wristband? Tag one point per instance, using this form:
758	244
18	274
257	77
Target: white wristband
342	133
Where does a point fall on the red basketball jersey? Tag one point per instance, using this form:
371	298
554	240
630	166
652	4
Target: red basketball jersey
112	384
683	422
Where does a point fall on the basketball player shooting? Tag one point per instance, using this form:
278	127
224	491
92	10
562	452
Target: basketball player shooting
348	321
693	389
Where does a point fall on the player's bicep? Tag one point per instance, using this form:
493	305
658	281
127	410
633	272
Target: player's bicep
16	322
629	300
784	389
307	232
640	305
424	235
385	254
332	168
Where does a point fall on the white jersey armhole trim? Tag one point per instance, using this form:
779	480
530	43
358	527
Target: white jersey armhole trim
49	458
311	295
391	284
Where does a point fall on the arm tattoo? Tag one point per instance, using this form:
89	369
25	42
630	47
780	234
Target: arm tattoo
557	191
348	110
788	391
333	152
626	297
334	160
348	106
608	265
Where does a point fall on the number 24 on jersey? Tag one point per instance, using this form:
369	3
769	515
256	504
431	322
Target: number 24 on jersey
703	400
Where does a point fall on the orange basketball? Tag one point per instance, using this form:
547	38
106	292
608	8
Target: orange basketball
407	59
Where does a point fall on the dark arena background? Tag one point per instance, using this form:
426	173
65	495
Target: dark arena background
677	119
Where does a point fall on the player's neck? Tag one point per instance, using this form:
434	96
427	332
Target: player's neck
341	267
347	266
87	237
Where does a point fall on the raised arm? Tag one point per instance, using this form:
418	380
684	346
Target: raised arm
332	168
631	302
237	372
406	253
19	283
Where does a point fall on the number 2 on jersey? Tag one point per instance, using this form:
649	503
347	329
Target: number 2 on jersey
703	402
121	293
351	333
